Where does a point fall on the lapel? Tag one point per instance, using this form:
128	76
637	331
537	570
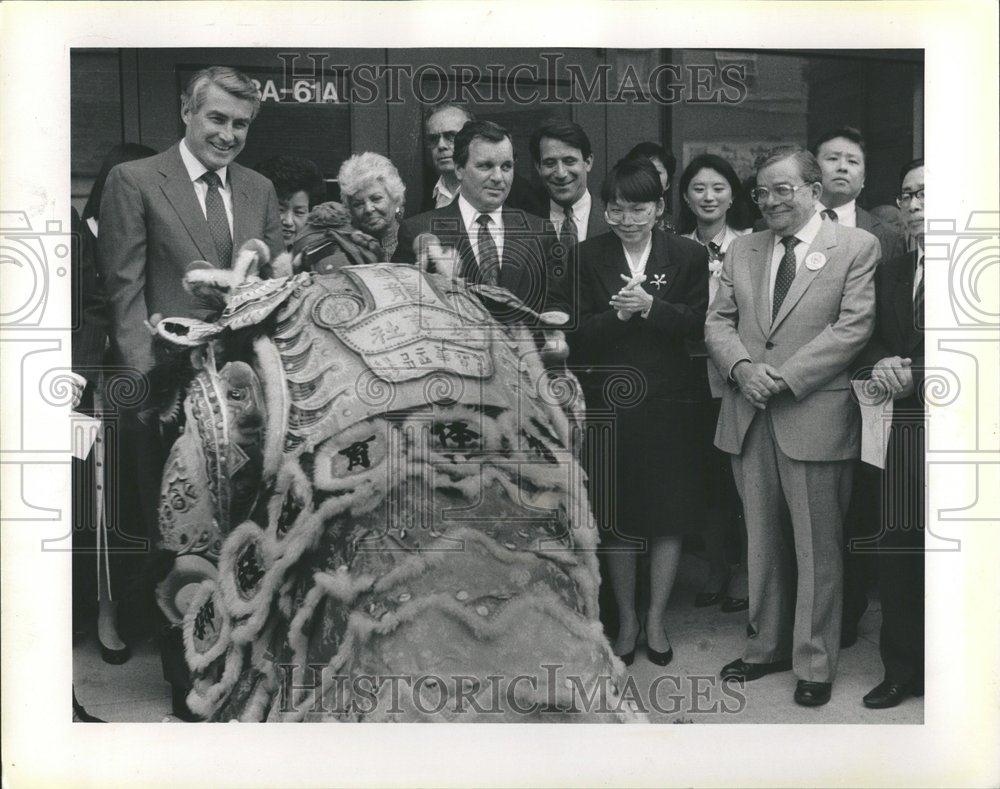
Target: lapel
241	206
902	299
179	191
760	269
513	266
659	268
446	223
826	239
596	224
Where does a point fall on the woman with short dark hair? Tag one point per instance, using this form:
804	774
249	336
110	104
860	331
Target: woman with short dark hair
643	293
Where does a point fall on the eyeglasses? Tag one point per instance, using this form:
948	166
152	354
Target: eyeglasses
782	191
431	140
618	216
907	197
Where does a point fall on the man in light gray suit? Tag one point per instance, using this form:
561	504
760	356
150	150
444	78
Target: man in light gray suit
795	306
191	202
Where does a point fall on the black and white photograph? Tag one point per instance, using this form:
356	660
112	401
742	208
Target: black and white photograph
399	363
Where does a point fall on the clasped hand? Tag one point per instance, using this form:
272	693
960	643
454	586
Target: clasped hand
758	382
631	299
894	375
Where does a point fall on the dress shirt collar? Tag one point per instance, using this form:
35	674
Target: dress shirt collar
470	215
195	169
581	211
441	190
847	214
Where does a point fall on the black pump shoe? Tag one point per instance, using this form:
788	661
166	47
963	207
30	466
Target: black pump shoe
114	657
660	658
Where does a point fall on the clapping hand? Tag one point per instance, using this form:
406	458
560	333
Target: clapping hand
631	298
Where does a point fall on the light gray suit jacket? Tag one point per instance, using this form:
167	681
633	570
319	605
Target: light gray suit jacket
823	324
152	227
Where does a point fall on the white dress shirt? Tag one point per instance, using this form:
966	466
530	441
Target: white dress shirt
196	170
918	275
806	236
470	217
847	214
442	194
581	215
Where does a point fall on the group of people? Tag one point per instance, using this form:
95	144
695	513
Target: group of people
738	343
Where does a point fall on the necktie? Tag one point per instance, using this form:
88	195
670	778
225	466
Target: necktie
715	251
569	234
918	296
786	273
489	258
218	223
829	213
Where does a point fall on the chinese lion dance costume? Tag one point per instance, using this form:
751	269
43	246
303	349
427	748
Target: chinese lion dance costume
374	478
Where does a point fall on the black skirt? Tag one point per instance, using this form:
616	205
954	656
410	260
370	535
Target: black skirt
644	464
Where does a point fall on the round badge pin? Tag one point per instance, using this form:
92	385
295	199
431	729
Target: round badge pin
815	261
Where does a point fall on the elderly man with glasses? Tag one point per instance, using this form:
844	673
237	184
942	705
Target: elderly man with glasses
795	307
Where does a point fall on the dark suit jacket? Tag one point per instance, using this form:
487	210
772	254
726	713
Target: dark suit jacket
898	332
677	278
527	263
892	243
596	223
152	227
522	197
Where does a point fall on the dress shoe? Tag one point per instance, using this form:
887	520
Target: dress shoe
628	658
660	658
115	657
741	670
705	599
888	694
812	694
733	604
179	707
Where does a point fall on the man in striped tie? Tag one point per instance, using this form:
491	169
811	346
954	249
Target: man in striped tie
795	306
191	202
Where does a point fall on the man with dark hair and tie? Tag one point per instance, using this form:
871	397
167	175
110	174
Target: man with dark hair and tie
192	202
896	357
841	155
563	158
495	244
795	307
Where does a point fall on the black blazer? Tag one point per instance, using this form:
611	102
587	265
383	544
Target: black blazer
527	265
677	278
898	332
892	243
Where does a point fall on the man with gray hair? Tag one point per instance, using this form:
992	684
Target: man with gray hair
191	202
795	306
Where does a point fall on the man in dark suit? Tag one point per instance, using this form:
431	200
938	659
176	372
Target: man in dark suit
441	126
191	202
495	244
795	307
841	156
563	158
896	354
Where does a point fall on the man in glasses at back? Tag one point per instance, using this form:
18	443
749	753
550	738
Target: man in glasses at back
795	306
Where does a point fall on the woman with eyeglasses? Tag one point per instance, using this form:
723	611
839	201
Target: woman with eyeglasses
643	294
713	213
